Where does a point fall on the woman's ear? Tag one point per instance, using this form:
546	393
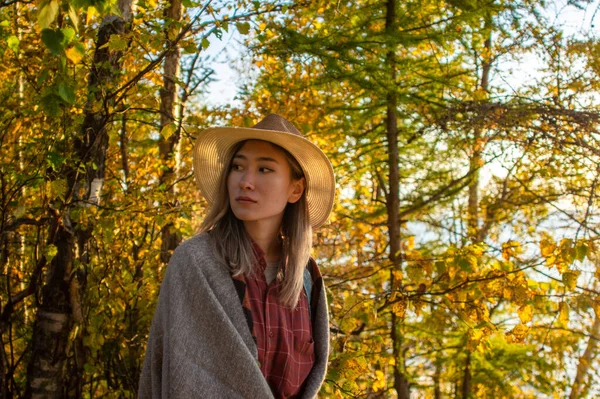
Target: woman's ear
297	190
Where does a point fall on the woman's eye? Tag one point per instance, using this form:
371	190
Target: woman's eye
236	167
265	170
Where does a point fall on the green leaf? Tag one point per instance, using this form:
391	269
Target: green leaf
53	40
59	189
581	251
243	27
13	43
117	43
50	103
205	43
69	34
67	93
464	264
191	49
48	13
440	266
50	252
168	130
570	279
55	160
62	64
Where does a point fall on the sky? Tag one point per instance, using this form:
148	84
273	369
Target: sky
227	52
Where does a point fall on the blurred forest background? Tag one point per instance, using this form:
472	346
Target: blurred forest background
462	257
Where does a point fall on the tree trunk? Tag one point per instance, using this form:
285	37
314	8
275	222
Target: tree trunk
585	361
475	233
4	364
401	384
437	389
476	160
45	372
169	113
56	364
466	384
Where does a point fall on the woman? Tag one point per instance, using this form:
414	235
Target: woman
242	311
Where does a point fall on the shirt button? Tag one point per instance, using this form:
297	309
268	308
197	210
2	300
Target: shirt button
271	334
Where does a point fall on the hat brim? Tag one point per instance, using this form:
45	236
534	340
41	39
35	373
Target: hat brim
213	145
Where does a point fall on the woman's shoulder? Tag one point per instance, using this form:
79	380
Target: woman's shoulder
197	249
199	243
196	258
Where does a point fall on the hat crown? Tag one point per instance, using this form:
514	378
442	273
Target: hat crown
277	123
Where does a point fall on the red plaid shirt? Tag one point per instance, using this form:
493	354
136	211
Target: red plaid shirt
283	336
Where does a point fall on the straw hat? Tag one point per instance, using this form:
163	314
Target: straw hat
213	146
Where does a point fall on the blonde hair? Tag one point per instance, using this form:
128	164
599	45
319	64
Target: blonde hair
234	246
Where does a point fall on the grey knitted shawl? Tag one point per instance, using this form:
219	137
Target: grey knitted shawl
200	345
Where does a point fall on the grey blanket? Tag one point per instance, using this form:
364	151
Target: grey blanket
200	345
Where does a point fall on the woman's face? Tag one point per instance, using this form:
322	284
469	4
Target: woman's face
260	183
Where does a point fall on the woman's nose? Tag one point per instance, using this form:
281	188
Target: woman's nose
246	183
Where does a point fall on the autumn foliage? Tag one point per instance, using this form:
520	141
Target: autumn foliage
462	257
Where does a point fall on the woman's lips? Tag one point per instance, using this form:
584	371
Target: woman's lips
245	200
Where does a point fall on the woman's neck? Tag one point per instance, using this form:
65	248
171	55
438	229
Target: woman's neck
268	239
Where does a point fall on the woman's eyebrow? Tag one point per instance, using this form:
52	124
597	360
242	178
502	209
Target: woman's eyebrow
267	159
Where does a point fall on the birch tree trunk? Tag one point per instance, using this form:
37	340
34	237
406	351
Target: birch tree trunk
55	367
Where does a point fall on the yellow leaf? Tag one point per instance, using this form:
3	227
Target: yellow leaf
91	13
511	249
547	247
399	308
74	55
563	312
596	306
409	243
452	271
525	313
517	334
